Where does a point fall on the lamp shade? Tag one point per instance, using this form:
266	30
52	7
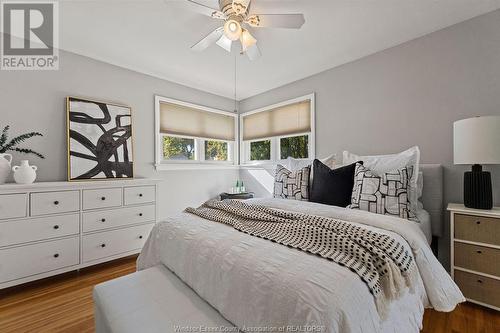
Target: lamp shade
477	140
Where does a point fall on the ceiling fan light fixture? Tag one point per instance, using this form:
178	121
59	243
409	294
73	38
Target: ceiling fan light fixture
247	40
232	29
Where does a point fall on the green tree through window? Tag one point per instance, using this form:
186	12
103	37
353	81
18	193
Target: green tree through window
260	150
175	148
295	146
216	151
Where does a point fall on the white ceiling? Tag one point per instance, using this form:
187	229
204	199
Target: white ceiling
154	37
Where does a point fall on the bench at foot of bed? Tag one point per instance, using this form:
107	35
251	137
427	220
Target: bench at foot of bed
152	300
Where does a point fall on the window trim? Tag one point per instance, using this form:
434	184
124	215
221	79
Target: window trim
275	140
197	163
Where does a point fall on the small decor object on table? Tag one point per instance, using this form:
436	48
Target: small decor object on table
12	145
475	142
236	196
475	253
99	140
24	173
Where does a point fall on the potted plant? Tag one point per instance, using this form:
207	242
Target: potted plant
7	145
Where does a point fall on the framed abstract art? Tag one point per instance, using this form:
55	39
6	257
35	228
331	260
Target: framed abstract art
99	140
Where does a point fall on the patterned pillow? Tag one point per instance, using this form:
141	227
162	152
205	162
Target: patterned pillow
292	184
386	194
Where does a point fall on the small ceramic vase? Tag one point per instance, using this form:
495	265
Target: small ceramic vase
24	173
5	160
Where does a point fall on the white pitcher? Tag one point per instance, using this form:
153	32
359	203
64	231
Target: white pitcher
5	160
24	173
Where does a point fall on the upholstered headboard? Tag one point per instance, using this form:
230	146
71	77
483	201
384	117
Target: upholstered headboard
432	195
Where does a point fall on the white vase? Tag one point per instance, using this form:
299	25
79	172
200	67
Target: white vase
5	160
24	173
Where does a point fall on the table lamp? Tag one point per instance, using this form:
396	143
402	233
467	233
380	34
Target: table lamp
476	141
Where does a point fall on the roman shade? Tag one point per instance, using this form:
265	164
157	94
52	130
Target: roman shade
284	120
187	121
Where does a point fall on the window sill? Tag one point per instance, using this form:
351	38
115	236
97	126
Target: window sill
194	166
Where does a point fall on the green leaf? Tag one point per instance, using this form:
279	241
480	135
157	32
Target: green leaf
19	139
28	151
3	137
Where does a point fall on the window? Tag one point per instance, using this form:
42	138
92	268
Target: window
294	146
193	134
260	150
216	150
279	131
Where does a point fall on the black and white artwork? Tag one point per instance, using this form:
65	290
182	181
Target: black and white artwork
100	140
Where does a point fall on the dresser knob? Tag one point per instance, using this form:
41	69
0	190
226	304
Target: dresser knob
103	245
140	214
140	237
103	220
56	227
56	255
140	194
478	222
478	251
480	281
56	202
103	198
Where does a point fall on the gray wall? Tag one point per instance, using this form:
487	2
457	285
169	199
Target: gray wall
404	96
35	101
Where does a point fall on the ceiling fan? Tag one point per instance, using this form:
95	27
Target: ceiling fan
237	24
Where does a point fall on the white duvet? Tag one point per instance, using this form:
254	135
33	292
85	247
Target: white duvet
257	284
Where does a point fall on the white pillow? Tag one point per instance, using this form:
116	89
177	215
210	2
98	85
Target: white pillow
294	164
420	184
380	164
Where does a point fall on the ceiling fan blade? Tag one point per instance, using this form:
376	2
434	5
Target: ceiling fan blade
289	21
253	52
225	43
208	40
240	7
205	10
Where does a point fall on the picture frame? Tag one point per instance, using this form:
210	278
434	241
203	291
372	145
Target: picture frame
99	140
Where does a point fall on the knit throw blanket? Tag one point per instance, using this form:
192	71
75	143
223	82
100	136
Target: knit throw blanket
381	262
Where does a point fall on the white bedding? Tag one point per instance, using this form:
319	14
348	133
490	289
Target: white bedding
424	219
254	282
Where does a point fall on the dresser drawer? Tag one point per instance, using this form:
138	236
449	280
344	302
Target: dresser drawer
117	217
102	198
477	258
44	203
139	194
479	288
13	205
477	228
109	243
23	261
22	231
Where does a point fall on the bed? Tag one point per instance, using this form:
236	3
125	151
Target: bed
258	285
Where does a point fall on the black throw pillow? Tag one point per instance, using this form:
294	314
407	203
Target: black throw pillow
332	186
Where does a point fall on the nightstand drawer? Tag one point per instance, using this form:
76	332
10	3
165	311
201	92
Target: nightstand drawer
477	258
479	288
477	229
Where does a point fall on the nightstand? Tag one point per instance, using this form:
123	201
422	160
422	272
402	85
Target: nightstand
236	196
475	253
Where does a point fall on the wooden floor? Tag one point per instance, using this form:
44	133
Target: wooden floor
64	304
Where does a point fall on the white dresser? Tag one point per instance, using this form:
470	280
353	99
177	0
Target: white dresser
54	227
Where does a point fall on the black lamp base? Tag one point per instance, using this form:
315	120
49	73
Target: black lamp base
478	191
